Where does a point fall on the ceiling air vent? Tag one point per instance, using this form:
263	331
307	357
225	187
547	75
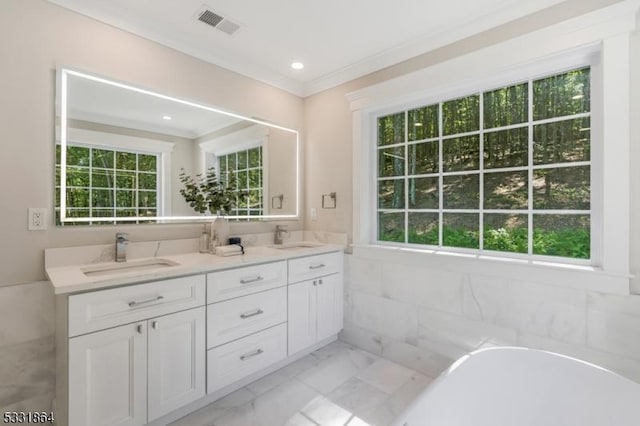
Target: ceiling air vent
217	21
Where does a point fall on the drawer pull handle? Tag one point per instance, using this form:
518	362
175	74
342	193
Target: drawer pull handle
251	354
135	303
321	265
251	280
251	314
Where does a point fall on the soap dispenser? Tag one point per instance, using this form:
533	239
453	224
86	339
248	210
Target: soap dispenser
204	240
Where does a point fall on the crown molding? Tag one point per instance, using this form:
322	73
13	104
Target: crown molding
436	39
425	44
562	38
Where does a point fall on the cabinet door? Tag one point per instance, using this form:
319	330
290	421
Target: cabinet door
302	315
327	297
176	360
108	377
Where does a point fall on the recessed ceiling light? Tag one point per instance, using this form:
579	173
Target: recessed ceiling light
297	65
166	117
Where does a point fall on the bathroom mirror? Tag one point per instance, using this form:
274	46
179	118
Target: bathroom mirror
120	150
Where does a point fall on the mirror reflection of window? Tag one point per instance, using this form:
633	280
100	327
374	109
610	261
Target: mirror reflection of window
105	182
247	169
95	115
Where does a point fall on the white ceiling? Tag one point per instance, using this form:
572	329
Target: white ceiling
111	104
338	40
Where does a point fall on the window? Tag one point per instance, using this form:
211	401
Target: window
504	170
103	182
245	167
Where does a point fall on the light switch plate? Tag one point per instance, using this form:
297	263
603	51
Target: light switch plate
37	219
314	214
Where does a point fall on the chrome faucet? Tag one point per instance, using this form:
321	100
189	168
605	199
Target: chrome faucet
280	231
122	240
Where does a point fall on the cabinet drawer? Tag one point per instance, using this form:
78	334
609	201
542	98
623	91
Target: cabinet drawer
233	361
306	268
108	308
236	318
238	282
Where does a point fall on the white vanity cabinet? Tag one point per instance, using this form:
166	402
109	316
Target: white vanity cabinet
246	322
150	352
315	303
134	373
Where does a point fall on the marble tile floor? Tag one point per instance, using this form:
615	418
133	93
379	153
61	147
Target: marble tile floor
336	385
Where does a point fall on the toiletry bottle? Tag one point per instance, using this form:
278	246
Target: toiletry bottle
213	242
204	241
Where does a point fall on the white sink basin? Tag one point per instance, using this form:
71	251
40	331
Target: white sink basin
126	267
296	245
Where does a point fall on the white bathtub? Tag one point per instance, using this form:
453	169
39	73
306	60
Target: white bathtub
525	387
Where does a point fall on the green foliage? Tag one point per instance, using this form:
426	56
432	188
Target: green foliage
391	227
393	235
391	129
429	237
461	115
512	240
563	94
208	193
125	160
459	237
423	123
460	154
572	243
412	164
506	106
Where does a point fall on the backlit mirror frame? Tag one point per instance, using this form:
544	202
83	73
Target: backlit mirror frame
62	133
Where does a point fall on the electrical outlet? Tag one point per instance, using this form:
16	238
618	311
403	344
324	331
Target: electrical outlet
37	219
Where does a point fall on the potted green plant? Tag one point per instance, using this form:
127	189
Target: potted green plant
208	193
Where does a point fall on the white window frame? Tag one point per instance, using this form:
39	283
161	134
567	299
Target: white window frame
251	137
599	38
247	169
560	66
113	141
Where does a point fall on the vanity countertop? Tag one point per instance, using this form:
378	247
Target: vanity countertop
72	278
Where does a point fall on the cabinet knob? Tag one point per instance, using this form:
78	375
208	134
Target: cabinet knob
139	328
154	325
315	282
320	282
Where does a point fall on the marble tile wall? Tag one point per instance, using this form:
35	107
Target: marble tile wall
425	318
27	347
